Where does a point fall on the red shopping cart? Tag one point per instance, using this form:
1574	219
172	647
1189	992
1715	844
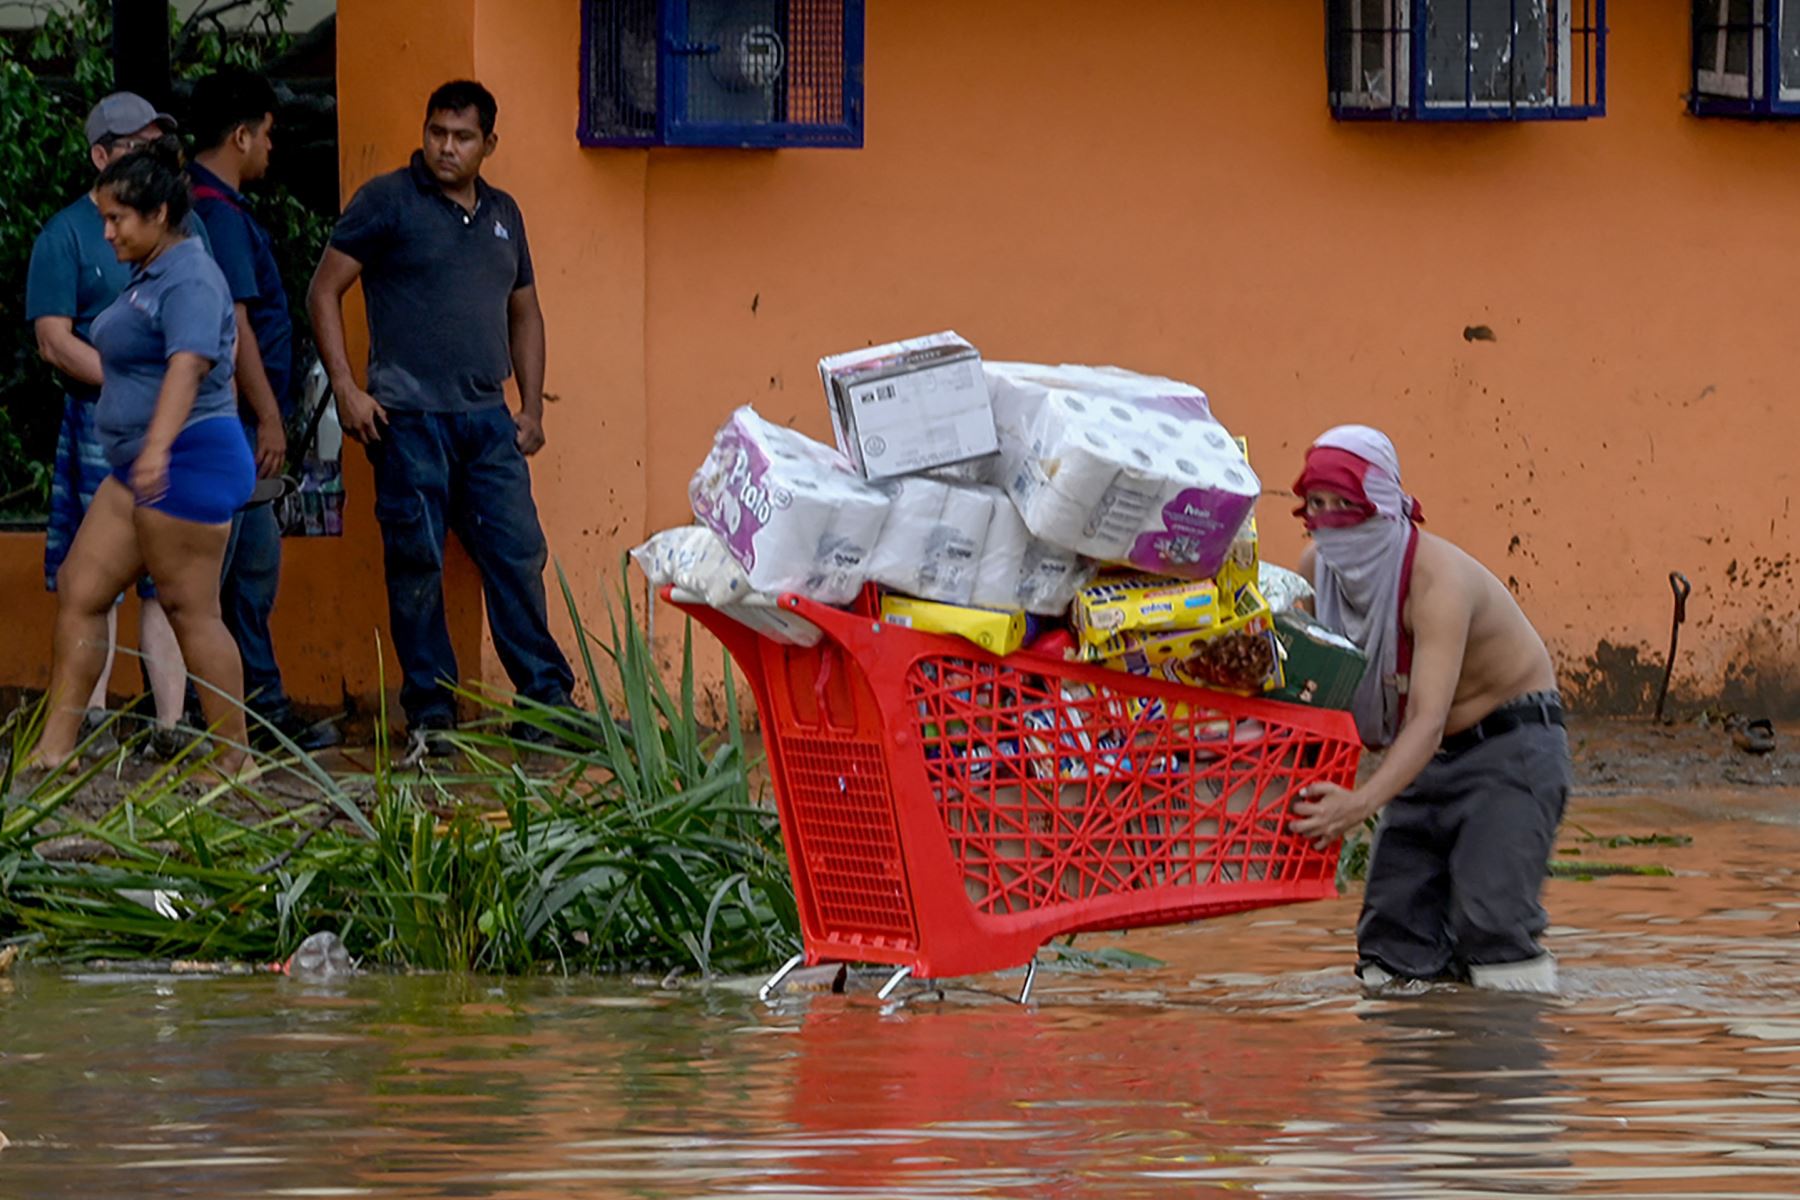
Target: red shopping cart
947	812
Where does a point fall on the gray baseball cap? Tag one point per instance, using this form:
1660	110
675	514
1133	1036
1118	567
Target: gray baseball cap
124	113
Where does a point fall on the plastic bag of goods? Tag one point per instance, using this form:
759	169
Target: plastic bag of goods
1285	590
695	562
790	510
1120	467
694	559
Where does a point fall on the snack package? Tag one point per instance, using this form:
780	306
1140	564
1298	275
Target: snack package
1114	605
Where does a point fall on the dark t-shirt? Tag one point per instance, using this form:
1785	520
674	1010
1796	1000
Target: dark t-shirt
246	255
178	302
436	279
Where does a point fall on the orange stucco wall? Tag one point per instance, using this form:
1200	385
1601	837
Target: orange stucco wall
1160	185
1163	188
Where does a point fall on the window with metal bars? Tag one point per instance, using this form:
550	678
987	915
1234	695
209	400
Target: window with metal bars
1746	58
760	73
1466	60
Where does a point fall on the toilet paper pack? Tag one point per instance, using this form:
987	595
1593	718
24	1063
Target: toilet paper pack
1022	571
933	541
791	510
1119	467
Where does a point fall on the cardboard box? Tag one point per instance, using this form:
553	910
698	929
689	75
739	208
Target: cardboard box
994	631
909	406
1322	668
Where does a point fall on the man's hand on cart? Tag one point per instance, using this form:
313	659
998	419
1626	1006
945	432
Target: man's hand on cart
1325	812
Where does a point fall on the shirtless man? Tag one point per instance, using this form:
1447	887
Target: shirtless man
1462	694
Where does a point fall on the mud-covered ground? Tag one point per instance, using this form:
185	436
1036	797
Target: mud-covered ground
1613	756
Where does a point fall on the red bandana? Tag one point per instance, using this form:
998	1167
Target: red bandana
1339	471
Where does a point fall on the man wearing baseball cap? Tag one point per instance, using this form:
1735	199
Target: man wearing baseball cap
74	274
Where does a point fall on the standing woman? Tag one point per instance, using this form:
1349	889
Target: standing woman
181	465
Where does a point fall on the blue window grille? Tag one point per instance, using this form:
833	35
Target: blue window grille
1746	58
1466	60
759	73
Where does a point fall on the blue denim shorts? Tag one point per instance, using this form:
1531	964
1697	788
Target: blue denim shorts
211	473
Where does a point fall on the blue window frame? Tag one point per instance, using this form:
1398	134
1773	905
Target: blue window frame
1746	58
758	73
1466	60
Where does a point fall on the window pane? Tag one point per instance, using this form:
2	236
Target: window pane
737	59
815	92
1489	51
1790	49
1365	48
621	69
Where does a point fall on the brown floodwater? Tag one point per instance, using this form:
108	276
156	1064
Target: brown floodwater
1247	1064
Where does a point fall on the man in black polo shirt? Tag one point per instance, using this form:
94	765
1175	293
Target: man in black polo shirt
453	311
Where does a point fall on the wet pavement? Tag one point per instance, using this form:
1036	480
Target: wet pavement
1247	1064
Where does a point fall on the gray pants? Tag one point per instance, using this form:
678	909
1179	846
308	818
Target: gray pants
1459	858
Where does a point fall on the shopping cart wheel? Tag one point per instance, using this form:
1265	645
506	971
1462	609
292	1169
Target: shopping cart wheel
1030	978
894	981
787	968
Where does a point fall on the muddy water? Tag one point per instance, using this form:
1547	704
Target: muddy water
1247	1064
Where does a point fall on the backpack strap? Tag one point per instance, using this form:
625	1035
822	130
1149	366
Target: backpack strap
206	191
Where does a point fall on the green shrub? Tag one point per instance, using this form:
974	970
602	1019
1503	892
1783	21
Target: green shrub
637	847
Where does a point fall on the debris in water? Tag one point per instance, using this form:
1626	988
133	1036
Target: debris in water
320	956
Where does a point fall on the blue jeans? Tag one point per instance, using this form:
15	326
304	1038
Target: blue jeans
462	471
247	598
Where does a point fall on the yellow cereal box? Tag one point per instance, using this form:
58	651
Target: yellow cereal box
994	631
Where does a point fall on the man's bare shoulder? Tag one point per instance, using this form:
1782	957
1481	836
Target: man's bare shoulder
1441	564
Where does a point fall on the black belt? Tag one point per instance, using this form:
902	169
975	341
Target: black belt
1501	720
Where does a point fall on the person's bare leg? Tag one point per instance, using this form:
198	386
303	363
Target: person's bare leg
103	560
185	558
162	662
98	698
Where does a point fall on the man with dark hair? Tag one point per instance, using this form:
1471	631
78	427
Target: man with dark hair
233	120
453	311
74	275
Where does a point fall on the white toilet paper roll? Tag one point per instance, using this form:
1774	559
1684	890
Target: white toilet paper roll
915	507
954	550
1002	557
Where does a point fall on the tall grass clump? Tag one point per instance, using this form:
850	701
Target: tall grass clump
630	844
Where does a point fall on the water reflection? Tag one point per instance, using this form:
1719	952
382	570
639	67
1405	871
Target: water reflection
1249	1063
